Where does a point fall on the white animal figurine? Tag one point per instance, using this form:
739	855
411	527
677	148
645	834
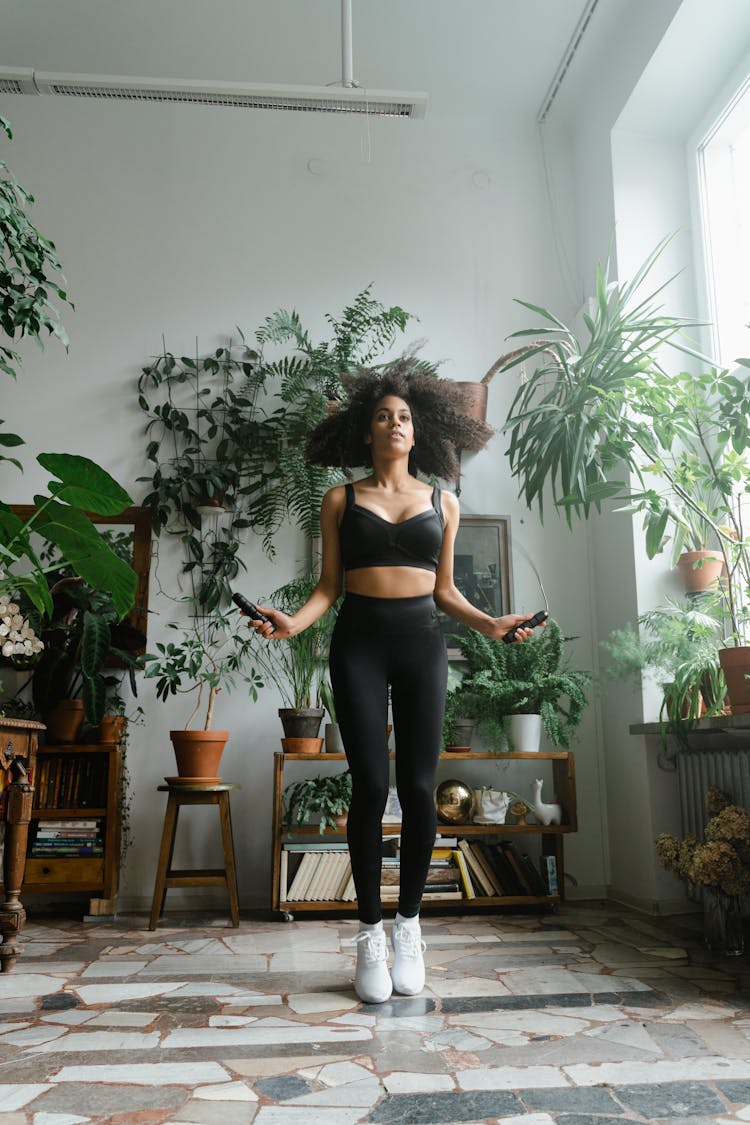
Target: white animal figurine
545	813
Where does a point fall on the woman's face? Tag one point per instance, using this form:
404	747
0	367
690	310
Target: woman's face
391	427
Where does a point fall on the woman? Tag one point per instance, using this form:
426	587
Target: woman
388	539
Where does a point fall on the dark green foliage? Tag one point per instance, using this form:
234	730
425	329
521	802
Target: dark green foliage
324	796
308	384
532	677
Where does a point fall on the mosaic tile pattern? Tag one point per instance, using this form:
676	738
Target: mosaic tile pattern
586	1016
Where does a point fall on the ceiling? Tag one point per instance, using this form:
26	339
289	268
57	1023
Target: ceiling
473	56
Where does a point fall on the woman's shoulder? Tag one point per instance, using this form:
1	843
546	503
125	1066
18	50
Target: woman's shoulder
335	497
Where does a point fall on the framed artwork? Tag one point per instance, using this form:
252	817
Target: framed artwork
481	570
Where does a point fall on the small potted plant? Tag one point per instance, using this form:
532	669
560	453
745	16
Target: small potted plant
675	645
210	655
458	729
296	668
327	798
505	682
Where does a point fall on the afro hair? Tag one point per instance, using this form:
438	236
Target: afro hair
442	427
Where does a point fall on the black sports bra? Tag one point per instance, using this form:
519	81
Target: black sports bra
369	540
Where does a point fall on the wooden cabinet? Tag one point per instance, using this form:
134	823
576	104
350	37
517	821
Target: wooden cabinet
551	836
76	810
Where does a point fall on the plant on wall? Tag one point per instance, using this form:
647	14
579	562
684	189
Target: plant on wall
204	427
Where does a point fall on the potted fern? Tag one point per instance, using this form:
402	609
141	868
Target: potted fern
505	682
327	798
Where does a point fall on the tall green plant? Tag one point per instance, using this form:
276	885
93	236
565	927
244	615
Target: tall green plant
296	665
30	275
597	405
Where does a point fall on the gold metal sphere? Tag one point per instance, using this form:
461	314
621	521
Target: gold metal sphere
454	801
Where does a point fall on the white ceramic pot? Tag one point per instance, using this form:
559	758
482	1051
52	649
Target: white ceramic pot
525	732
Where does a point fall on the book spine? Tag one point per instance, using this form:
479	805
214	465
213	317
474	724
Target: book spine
463	871
548	865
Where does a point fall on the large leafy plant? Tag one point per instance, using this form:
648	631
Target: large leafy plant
529	678
30	276
601	402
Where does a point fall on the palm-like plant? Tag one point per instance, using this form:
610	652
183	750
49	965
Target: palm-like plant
529	678
595	405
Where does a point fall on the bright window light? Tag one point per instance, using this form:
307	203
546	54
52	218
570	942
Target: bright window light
724	162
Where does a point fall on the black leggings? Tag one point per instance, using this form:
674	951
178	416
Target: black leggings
377	642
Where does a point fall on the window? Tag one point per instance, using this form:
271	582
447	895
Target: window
724	184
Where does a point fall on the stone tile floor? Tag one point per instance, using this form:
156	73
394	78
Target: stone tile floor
593	1015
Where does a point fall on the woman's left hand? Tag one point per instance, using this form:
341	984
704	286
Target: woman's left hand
503	625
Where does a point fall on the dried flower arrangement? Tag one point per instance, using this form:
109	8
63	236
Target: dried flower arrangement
722	859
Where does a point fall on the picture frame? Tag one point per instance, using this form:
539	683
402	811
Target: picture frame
481	571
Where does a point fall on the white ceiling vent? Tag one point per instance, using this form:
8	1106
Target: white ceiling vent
348	97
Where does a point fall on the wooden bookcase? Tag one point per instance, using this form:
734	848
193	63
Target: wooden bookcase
77	782
563	785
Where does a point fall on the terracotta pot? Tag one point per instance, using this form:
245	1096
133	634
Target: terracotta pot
111	729
302	745
735	664
64	721
198	752
705	576
340	820
301	722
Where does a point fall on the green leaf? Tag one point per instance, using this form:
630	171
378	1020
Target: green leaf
84	484
86	551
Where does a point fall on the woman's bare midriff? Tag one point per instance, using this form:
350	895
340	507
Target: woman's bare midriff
389	581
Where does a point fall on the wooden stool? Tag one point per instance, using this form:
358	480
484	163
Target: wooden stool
180	795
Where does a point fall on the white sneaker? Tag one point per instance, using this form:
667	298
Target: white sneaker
372	981
407	973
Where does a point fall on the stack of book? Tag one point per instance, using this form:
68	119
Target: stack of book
443	877
323	874
64	838
499	870
71	782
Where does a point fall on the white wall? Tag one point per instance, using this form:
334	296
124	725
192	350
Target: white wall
189	221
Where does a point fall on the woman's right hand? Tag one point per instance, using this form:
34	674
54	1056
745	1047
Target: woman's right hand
277	628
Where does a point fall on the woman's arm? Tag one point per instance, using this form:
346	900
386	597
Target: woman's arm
452	601
329	585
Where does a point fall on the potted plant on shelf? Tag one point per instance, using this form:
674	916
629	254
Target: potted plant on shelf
458	729
325	797
504	683
676	646
83	644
